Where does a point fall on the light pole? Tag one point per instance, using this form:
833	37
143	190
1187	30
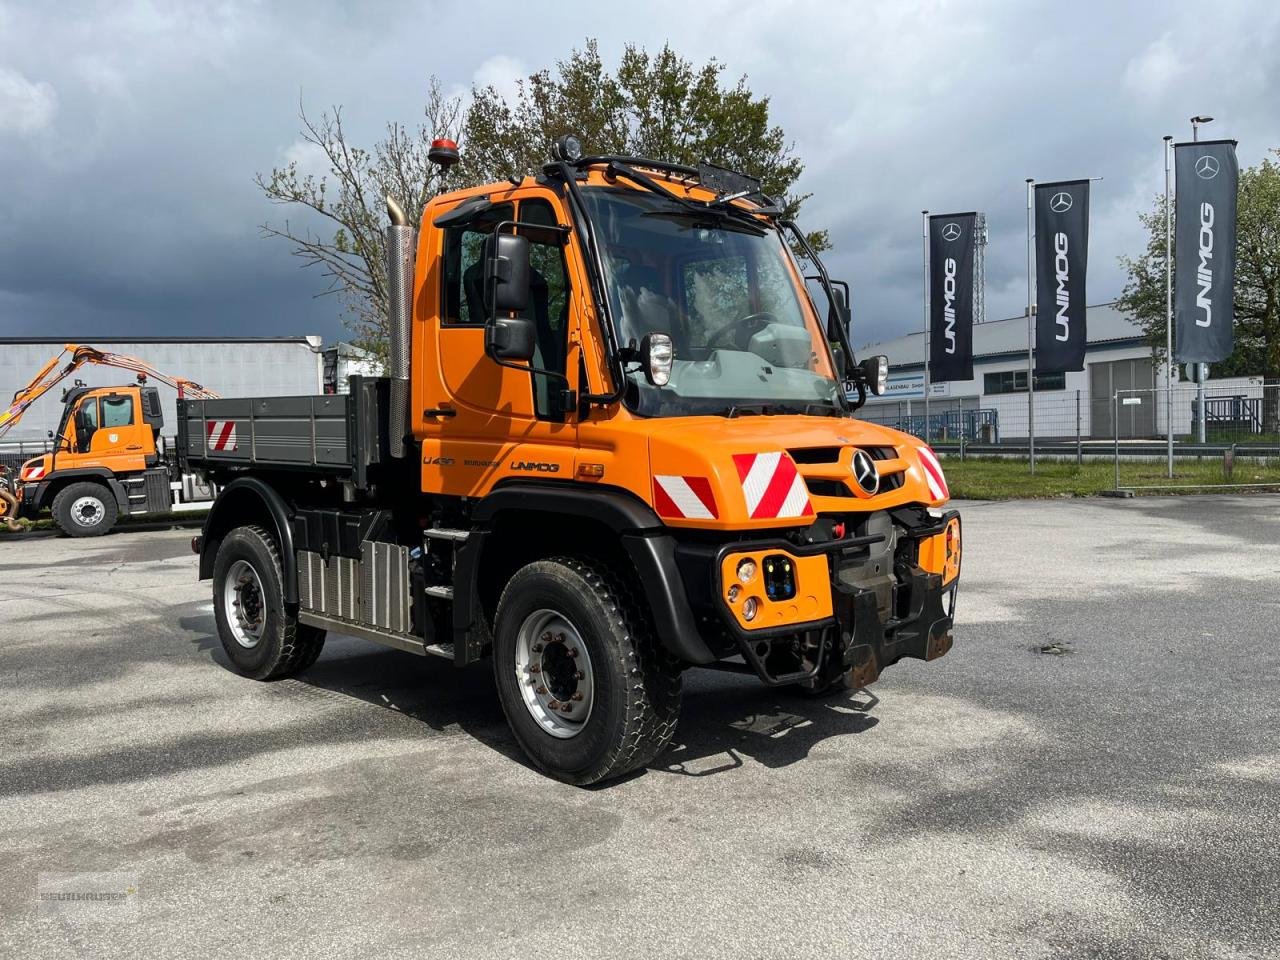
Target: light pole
1202	369
1031	328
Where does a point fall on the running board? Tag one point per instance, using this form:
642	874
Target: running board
439	593
444	533
366	632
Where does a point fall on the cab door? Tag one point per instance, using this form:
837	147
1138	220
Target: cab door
122	433
491	422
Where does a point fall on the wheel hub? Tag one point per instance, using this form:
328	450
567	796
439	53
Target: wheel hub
553	670
87	511
245	604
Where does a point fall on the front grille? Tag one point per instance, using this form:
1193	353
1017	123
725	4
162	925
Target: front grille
816	454
827	487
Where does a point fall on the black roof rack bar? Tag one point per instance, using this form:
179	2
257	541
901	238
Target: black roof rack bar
664	165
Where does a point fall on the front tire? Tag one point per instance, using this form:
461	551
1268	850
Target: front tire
586	689
261	636
85	509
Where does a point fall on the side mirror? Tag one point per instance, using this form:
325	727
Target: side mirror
509	338
506	273
841	290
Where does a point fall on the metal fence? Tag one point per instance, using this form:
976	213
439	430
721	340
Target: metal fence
13	454
1199	437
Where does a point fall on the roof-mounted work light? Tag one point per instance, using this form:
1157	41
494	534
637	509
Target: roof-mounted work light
568	148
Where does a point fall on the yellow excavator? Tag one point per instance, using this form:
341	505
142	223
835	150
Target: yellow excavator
107	459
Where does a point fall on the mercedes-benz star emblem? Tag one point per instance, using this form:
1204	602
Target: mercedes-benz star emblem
951	231
864	471
1207	167
1060	202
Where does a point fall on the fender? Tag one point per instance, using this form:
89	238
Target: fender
40	497
227	513
644	537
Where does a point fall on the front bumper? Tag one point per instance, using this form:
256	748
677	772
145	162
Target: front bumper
858	633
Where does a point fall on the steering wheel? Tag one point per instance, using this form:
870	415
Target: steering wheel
751	324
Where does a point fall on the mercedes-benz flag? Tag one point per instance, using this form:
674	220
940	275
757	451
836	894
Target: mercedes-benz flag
1204	249
951	244
1062	262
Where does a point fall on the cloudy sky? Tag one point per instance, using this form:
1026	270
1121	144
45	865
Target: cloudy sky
130	132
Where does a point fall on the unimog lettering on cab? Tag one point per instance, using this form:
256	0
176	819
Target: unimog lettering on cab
617	441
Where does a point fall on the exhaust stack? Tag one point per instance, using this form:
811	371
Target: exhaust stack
402	244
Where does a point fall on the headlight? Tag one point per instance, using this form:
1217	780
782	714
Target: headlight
749	608
747	570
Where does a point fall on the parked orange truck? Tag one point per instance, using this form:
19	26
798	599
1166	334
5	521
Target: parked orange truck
617	441
108	460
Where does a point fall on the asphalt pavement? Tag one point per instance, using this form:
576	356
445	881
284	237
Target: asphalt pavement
1093	771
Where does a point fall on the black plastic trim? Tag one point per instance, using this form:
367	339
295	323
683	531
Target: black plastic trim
280	515
647	541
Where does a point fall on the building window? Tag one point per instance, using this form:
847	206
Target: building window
1015	381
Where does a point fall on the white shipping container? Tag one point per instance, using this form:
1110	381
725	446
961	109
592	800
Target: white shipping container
233	367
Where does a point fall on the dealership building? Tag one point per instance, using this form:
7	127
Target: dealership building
993	407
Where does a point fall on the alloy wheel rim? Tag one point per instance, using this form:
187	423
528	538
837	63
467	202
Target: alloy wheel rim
553	672
245	604
87	511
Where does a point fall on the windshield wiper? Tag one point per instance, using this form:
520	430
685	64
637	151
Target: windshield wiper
823	409
737	409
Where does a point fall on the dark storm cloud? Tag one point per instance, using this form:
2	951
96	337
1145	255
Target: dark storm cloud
129	135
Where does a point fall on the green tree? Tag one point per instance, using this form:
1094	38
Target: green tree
657	105
1257	293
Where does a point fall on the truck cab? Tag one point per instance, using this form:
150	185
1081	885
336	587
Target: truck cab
618	440
105	461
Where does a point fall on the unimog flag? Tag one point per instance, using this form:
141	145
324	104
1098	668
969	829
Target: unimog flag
951	296
1062	260
1204	249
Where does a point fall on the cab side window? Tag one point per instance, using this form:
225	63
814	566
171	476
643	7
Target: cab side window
548	308
463	294
86	422
117	411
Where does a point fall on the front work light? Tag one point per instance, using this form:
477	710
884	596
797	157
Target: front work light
568	148
875	374
658	355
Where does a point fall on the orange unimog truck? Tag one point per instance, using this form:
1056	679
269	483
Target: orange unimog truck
108	460
618	441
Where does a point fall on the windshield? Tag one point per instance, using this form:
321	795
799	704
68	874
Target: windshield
725	292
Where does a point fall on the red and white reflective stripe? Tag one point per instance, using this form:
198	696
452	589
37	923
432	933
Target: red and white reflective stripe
687	498
773	487
33	473
933	474
222	435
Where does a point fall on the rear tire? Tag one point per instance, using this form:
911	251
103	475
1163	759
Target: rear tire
261	636
581	626
85	509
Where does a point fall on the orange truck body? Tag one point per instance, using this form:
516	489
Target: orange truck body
780	537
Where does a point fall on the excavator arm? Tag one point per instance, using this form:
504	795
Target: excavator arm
74	356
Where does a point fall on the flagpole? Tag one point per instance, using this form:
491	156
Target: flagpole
1031	300
924	234
1168	313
